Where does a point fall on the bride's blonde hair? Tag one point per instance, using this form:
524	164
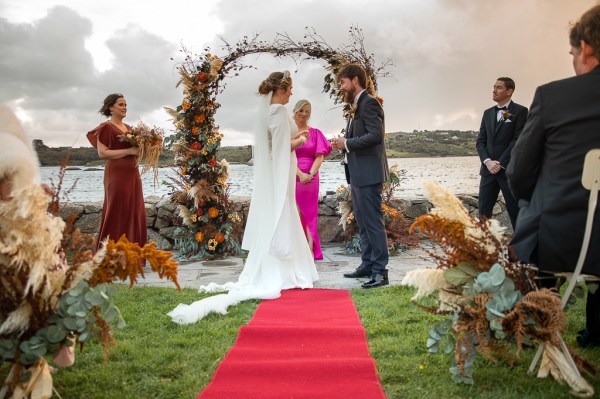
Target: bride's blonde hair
276	80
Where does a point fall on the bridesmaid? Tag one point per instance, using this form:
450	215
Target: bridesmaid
123	211
310	157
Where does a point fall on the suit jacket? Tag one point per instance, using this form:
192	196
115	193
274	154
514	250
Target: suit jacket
365	139
545	174
496	139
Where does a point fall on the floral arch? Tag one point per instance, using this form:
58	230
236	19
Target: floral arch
211	226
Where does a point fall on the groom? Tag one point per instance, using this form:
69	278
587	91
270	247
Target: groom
366	169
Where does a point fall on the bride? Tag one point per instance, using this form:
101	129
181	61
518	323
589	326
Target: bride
279	257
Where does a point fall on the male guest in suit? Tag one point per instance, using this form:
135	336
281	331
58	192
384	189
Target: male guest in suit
366	170
500	127
547	162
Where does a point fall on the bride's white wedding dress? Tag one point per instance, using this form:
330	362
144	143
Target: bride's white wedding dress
279	256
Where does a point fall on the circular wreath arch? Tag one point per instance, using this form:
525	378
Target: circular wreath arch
211	225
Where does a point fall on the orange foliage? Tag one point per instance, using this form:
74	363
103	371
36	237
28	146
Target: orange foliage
125	259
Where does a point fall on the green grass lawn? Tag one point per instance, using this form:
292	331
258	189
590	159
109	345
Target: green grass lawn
155	358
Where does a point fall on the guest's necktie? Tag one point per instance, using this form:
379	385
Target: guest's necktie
500	108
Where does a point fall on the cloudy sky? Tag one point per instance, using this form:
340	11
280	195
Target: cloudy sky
60	58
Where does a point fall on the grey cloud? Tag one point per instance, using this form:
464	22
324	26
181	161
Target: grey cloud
46	67
447	55
44	57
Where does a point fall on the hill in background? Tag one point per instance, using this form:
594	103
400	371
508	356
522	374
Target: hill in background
418	144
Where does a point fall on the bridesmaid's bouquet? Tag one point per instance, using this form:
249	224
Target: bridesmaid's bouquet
150	142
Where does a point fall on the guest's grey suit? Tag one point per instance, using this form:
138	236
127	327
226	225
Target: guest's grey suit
545	174
366	170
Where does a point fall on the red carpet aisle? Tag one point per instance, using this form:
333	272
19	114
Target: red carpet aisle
307	344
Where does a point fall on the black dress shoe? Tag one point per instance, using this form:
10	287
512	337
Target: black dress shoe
376	281
358	273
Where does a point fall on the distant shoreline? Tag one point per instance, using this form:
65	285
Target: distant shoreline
418	144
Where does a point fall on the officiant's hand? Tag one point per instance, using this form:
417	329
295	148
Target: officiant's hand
304	177
338	143
303	133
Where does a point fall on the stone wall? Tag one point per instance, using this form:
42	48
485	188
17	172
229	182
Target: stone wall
162	219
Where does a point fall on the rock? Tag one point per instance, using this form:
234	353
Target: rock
92	207
72	168
163	219
402	204
497	209
417	209
165	203
71	210
161	242
330	201
326	210
152	199
169	232
469	200
150	210
329	229
89	223
150	220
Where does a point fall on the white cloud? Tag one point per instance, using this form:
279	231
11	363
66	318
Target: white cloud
60	58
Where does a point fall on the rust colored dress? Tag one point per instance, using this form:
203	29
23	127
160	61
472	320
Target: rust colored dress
123	211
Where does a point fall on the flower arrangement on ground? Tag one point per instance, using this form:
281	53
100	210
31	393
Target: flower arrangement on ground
396	224
48	303
490	301
150	142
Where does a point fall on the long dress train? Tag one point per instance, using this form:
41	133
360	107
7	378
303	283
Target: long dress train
279	257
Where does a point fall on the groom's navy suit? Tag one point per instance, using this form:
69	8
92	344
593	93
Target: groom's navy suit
495	141
366	170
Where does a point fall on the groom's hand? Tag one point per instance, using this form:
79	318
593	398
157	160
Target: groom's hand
338	143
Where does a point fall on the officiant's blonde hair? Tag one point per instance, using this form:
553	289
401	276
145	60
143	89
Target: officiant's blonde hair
275	81
301	104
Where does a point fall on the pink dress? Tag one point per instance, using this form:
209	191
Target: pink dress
307	195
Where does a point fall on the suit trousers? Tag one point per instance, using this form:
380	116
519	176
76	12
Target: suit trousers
366	205
489	188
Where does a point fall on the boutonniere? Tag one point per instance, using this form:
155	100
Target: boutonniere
506	115
350	110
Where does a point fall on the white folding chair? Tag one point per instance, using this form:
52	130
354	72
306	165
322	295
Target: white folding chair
590	180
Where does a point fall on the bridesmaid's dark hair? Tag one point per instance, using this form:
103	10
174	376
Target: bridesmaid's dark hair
109	101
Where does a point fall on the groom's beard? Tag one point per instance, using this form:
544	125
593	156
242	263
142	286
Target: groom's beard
349	96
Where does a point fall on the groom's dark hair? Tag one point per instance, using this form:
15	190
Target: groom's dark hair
352	70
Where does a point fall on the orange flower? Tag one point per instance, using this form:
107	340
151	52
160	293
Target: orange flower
199	236
195	130
202	77
184	171
186	104
196	146
199	118
213	212
219	237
